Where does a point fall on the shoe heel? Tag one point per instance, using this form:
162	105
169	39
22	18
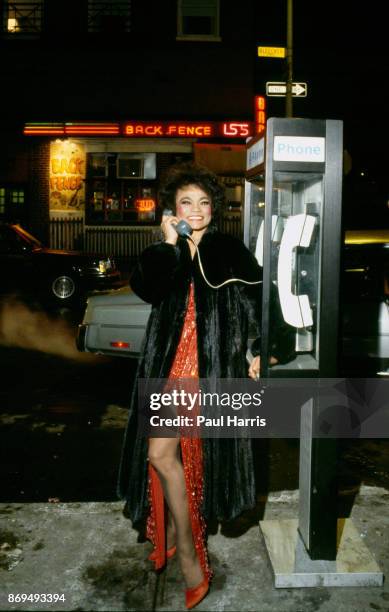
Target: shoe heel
196	594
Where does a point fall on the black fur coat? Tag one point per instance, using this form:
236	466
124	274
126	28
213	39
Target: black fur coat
223	316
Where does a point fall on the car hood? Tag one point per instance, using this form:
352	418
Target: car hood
64	252
121	296
77	255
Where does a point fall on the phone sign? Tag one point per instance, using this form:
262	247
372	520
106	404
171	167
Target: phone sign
255	154
299	149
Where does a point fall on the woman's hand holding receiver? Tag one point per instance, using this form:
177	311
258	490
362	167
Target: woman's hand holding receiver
169	232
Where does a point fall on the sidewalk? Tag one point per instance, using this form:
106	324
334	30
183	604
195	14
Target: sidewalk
89	553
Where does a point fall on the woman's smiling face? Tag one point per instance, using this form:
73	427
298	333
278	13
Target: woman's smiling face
195	206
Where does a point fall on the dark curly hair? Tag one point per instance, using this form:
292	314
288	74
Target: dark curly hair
188	173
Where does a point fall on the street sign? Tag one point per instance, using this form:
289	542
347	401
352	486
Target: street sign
271	52
299	90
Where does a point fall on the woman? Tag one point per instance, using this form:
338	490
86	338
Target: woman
194	331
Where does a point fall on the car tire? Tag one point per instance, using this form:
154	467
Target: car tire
63	288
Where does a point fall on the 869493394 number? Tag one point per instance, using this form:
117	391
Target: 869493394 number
35	597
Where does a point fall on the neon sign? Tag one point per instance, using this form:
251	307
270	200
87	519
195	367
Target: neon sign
145	205
228	129
43	129
92	128
236	129
145	129
194	130
71	129
260	114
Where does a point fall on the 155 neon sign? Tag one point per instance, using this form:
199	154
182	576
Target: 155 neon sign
239	130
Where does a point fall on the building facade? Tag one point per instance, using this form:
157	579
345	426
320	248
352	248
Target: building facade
103	96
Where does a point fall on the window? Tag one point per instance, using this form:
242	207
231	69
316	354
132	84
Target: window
17	196
12	201
129	167
97	165
109	16
121	188
2	200
23	17
198	20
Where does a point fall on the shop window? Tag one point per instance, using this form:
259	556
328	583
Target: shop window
129	167
23	17
198	20
97	164
121	188
135	165
109	16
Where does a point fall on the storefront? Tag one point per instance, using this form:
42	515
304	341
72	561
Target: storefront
110	181
108	175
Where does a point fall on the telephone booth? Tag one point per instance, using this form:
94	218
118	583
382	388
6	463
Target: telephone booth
292	224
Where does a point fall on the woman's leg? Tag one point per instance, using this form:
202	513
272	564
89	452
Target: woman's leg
165	458
170	530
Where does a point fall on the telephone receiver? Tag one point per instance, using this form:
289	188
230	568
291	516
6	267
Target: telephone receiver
298	232
182	228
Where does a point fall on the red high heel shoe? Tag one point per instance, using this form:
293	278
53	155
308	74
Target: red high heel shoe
169	553
196	594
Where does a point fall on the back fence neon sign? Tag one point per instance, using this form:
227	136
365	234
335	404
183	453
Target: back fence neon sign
145	129
229	129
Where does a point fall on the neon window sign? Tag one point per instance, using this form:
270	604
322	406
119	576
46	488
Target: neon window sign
145	205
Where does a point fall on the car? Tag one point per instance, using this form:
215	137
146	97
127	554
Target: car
115	323
29	269
365	304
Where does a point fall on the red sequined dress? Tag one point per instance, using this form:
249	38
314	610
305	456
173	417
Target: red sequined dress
185	365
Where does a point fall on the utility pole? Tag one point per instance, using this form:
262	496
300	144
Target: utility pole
289	60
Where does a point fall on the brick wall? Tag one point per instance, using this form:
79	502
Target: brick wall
39	190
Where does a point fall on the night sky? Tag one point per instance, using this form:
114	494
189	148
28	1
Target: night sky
341	52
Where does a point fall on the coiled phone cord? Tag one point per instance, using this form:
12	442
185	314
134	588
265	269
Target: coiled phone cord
184	230
230	280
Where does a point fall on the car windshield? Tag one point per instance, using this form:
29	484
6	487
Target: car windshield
34	242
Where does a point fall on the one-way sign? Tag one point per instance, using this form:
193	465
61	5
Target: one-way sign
299	90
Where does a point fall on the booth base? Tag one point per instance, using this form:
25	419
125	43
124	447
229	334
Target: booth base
354	565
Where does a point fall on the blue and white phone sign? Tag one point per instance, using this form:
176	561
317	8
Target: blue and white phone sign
299	149
255	154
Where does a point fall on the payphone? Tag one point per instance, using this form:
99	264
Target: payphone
292	225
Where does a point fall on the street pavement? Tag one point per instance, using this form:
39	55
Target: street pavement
89	553
62	532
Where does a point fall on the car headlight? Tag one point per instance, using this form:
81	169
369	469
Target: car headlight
105	265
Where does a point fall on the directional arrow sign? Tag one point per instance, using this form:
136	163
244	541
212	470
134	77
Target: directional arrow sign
299	90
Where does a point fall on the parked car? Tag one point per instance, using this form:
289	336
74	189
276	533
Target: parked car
28	268
114	324
365	304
